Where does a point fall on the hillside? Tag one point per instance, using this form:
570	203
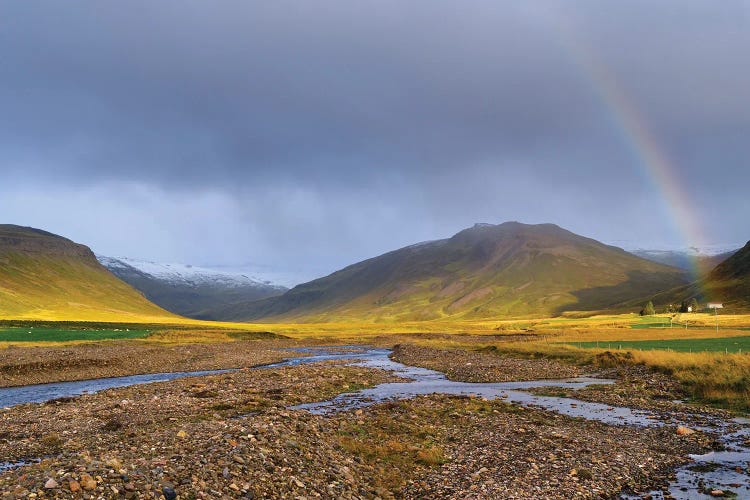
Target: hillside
729	282
511	269
190	291
45	276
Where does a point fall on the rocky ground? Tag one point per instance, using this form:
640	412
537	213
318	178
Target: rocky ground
234	436
471	366
37	365
635	387
640	388
226	435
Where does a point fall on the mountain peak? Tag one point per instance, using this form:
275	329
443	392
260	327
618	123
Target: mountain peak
487	270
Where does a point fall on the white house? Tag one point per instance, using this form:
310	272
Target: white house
714	305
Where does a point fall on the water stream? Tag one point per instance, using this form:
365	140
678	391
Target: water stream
726	470
40	393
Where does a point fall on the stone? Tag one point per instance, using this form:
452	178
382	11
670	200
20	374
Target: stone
684	431
87	482
51	484
717	493
74	486
169	493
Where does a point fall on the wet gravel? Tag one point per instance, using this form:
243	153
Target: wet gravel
221	436
233	436
472	366
39	365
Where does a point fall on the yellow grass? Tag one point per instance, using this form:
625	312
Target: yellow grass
717	378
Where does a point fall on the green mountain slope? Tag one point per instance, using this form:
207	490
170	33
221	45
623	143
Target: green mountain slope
729	282
510	269
45	276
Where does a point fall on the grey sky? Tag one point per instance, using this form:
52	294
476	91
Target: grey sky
315	134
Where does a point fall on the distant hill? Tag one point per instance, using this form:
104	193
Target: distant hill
486	271
729	282
190	291
45	276
684	259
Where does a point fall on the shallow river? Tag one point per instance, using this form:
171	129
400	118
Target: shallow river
726	470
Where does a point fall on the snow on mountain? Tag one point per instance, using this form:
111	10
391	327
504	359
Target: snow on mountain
704	251
187	274
692	251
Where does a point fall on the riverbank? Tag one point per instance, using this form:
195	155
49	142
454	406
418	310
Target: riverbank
38	365
233	436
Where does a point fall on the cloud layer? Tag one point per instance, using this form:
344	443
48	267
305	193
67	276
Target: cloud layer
326	132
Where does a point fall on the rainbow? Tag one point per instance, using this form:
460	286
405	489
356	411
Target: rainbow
655	165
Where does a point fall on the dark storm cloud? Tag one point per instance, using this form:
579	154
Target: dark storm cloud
358	126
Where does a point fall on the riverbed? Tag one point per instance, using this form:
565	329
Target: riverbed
724	469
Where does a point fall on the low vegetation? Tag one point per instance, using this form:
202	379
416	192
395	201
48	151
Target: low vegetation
721	375
720	345
62	335
717	378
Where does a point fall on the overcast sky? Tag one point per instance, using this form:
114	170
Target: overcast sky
315	134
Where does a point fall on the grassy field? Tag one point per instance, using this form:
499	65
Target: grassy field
31	334
713	372
722	344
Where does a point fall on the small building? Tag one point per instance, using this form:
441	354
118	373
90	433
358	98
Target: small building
714	305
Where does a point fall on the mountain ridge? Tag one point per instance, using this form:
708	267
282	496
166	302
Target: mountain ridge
191	291
46	276
509	269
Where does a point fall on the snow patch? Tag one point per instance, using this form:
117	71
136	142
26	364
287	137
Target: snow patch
187	274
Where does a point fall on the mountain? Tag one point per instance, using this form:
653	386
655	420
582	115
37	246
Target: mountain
688	259
486	271
191	291
45	276
729	282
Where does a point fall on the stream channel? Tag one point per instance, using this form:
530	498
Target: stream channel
726	469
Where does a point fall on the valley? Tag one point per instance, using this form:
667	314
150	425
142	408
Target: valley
508	360
374	250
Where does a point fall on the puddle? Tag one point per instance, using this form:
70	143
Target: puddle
11	465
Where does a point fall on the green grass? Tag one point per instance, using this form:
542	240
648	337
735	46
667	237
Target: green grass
726	344
31	334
